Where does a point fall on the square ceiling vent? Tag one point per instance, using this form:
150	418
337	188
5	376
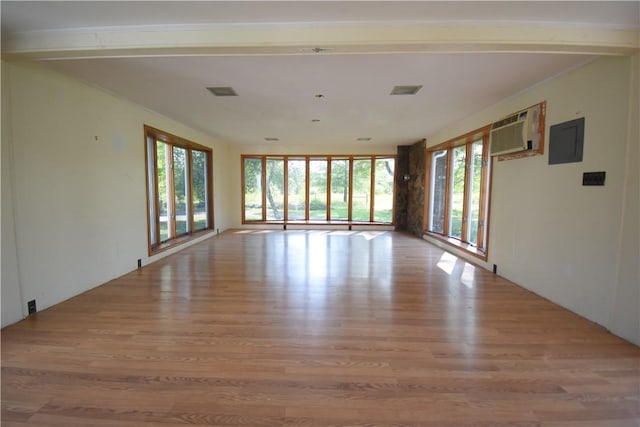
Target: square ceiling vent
222	91
405	90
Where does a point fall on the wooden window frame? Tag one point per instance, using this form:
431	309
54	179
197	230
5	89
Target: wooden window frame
152	136
308	159
480	249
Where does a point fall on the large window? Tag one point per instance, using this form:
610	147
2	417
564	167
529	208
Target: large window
275	189
253	189
456	197
458	172
179	188
340	194
296	188
383	190
438	191
318	188
361	198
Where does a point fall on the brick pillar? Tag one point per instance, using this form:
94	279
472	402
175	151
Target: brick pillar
402	187
409	203
415	204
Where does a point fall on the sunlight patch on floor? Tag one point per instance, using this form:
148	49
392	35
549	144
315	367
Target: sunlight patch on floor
447	263
368	235
467	275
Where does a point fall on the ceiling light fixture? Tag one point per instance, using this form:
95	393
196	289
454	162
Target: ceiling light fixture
222	91
315	120
405	90
271	139
364	139
317	49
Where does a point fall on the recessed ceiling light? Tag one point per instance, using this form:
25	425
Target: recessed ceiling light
405	90
271	139
222	91
315	120
364	139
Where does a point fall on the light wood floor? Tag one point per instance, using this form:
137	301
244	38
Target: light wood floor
315	329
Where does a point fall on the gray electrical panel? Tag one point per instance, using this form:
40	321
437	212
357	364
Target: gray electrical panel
566	142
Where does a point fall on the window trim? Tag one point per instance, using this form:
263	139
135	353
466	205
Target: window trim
153	135
481	249
308	159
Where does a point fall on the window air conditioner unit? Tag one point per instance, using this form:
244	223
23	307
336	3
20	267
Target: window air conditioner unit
515	133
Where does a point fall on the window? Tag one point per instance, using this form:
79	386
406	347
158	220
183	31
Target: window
179	189
253	189
340	194
458	172
383	190
275	189
297	185
438	190
361	198
201	202
456	198
318	188
474	171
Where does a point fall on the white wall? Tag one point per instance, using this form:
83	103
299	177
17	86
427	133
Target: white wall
548	233
12	308
625	309
78	186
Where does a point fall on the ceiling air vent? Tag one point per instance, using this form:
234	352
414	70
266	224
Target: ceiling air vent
222	91
405	90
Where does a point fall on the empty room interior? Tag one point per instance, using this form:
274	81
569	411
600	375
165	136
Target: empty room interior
320	213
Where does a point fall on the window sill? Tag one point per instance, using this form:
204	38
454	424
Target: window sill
181	240
317	222
455	243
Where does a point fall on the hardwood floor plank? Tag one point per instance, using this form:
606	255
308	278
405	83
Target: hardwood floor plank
316	329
